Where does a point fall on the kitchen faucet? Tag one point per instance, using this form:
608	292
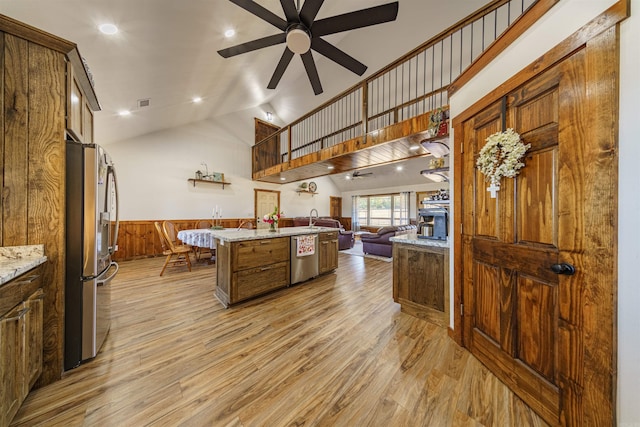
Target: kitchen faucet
311	216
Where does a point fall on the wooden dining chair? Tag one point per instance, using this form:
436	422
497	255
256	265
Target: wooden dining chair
204	253
180	252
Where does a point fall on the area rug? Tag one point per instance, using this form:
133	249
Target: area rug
356	250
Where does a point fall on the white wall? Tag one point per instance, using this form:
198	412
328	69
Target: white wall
563	20
153	171
629	227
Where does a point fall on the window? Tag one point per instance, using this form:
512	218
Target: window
384	209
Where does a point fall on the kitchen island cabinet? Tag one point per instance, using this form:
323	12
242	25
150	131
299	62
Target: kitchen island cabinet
250	268
250	263
421	277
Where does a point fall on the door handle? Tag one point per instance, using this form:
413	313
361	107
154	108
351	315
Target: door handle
563	268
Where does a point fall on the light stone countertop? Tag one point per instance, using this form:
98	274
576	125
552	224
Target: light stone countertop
15	260
233	235
413	239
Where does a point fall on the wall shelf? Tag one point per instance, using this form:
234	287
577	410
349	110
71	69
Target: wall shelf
194	180
306	192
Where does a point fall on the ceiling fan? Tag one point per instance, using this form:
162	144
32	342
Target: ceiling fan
301	32
358	174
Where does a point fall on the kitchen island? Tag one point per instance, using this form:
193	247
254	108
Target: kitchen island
421	277
250	263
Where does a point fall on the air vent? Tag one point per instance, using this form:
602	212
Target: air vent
143	103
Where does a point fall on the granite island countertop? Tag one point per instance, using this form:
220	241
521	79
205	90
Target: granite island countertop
15	260
232	235
413	239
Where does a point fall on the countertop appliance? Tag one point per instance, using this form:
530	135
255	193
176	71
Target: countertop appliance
433	223
91	239
304	265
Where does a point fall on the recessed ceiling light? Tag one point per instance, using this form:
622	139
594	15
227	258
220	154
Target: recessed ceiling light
124	113
399	168
414	147
230	33
196	99
347	177
108	29
282	178
330	167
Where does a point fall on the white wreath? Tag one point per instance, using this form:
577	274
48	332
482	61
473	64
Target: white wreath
501	156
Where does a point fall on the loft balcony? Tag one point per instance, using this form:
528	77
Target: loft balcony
384	118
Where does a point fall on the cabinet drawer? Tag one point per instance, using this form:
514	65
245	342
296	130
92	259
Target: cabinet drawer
332	235
256	281
17	290
256	253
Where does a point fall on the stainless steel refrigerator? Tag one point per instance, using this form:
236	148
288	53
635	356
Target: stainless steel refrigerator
91	240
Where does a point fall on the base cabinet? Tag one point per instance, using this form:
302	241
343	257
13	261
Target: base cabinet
21	342
421	281
250	268
328	252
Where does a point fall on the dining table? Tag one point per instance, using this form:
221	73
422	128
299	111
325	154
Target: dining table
201	237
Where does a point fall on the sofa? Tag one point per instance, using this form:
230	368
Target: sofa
378	243
346	239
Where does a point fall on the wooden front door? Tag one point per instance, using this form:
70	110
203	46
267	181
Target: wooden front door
264	203
335	208
529	325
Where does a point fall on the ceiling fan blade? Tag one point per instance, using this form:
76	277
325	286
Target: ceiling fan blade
290	11
253	45
262	13
338	56
358	19
280	69
312	72
309	11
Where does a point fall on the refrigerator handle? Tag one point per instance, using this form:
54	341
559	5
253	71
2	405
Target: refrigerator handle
102	282
112	170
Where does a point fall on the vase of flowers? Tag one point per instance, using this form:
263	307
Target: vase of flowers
272	219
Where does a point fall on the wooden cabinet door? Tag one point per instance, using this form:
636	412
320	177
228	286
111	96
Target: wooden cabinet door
327	251
328	256
87	124
33	339
11	363
522	320
75	105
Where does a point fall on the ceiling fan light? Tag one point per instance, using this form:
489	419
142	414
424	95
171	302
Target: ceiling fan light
437	148
298	41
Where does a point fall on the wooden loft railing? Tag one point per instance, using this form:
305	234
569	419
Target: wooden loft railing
390	112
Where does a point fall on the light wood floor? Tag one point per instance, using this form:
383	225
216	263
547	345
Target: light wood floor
333	351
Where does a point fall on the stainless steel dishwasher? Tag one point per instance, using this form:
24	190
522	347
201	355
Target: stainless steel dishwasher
304	265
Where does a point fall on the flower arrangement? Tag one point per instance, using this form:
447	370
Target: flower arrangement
272	218
500	157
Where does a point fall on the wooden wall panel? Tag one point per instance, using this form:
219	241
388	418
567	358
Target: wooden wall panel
16	171
139	239
2	136
33	124
46	178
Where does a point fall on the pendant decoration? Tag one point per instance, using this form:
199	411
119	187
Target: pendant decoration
500	157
